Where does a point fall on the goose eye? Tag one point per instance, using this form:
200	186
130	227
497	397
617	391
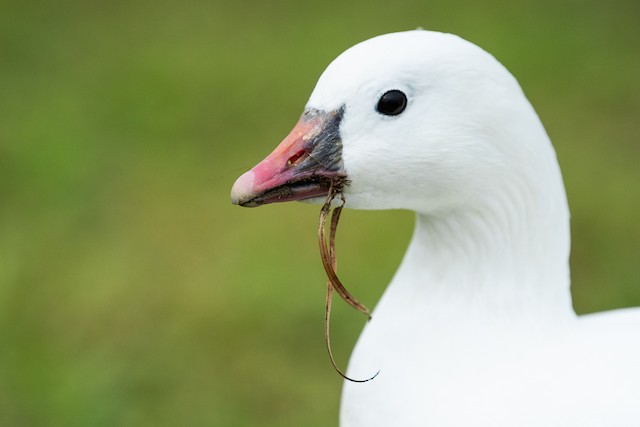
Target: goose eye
392	103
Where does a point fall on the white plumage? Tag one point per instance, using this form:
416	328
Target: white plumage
476	327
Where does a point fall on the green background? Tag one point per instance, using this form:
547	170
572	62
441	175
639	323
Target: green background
132	293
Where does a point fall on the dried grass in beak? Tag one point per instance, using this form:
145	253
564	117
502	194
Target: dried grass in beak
328	256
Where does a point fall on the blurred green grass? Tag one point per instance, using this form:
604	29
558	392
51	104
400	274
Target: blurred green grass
132	293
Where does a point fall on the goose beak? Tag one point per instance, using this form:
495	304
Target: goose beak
301	167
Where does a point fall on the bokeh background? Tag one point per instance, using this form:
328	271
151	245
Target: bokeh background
133	294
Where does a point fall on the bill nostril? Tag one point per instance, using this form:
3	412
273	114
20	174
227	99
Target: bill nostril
296	158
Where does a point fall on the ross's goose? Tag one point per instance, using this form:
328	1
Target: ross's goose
476	327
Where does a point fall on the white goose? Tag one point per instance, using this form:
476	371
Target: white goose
476	327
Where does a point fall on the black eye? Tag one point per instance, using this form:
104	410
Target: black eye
392	103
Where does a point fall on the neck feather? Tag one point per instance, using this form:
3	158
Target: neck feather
508	256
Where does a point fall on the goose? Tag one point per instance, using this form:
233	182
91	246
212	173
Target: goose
476	327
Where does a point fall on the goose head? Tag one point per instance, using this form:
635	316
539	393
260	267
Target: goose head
414	120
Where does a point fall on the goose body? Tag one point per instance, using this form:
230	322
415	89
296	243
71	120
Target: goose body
476	327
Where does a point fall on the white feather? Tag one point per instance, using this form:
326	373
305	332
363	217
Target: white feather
477	327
